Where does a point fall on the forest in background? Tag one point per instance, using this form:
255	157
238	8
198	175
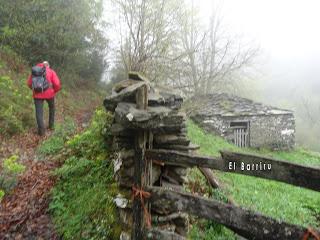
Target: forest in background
67	33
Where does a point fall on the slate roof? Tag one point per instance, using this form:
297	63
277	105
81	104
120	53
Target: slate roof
225	104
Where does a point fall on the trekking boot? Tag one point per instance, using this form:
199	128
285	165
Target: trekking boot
41	131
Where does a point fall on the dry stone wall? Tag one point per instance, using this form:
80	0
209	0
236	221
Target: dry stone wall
165	125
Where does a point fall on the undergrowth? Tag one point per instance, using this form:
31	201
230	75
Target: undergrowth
56	142
16	108
279	200
11	169
82	201
1	194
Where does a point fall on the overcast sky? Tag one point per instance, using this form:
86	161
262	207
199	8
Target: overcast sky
287	31
284	28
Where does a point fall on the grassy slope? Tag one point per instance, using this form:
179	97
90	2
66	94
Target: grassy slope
282	201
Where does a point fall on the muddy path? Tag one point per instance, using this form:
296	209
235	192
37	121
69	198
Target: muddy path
24	211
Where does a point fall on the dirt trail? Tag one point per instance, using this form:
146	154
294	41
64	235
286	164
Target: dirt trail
24	212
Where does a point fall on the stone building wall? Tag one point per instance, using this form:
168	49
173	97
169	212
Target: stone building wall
215	124
271	131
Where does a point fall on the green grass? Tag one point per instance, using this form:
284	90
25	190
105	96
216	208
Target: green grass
56	142
279	200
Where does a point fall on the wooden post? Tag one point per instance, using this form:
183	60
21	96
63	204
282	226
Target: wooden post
141	169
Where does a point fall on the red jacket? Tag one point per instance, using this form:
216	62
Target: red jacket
51	91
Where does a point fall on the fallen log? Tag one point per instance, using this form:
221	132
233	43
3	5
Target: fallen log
287	172
207	172
250	224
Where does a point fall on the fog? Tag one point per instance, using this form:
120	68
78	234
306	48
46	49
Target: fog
287	32
286	73
288	35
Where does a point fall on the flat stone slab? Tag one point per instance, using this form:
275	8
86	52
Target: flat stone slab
153	118
126	93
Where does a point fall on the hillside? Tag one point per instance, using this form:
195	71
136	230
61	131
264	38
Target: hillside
16	108
282	201
16	103
27	160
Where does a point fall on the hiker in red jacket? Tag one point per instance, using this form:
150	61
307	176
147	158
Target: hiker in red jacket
45	84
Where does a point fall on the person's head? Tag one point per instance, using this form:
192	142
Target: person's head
46	63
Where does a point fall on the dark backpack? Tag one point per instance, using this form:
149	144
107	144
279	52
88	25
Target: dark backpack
39	80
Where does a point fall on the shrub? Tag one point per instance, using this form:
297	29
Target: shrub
1	195
10	172
16	106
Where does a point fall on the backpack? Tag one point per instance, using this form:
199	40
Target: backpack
39	80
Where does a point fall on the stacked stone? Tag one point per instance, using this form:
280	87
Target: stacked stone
167	126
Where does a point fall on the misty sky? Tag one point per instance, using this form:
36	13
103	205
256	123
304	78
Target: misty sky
287	31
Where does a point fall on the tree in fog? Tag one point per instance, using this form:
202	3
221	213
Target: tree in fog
166	40
212	60
146	32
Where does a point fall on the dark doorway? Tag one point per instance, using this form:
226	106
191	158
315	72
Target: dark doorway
240	133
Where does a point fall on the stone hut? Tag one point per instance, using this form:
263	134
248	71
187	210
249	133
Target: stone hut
244	122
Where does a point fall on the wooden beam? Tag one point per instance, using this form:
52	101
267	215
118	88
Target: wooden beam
171	157
283	171
207	173
250	224
291	173
141	173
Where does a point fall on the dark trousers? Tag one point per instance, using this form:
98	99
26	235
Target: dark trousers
39	113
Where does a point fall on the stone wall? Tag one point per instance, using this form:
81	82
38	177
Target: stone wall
272	131
166	129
